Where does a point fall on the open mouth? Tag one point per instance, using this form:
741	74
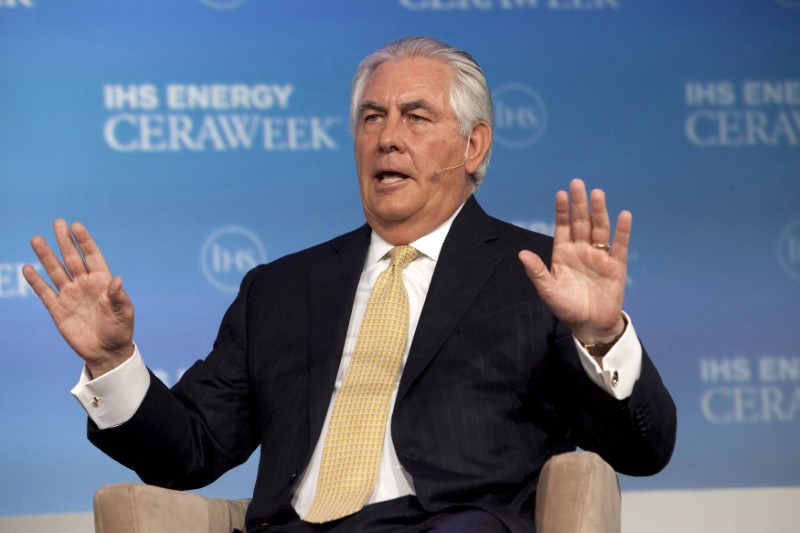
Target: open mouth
388	178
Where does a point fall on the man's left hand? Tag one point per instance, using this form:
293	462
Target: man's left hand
585	285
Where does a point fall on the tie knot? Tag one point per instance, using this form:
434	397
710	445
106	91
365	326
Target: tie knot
402	256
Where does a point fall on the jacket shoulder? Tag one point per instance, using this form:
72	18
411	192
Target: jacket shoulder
298	264
519	238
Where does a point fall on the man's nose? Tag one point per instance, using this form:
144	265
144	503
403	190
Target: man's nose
392	136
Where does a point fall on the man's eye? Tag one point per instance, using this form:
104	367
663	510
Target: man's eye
373	117
416	118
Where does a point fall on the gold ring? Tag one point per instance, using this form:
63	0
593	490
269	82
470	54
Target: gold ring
601	246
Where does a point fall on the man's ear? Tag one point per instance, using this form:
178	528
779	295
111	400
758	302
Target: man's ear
480	139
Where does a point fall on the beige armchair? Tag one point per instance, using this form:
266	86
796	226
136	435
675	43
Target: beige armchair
578	492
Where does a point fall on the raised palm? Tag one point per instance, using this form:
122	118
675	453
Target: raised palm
585	286
88	305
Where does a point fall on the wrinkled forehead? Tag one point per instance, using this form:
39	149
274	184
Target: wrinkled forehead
419	81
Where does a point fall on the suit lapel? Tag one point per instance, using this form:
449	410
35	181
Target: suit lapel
332	287
468	257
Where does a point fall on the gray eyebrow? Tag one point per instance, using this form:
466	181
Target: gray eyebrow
370	105
405	107
416	104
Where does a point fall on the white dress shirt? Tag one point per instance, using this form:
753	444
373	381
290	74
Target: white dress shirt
113	398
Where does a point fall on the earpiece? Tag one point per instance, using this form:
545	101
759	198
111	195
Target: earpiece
466	154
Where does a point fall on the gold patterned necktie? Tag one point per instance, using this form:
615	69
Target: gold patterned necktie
354	441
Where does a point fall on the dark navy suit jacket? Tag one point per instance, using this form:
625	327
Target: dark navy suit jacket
492	387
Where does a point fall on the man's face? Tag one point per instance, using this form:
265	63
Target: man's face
405	132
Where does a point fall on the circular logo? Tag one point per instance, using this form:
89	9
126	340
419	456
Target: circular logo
520	116
789	250
222	4
539	226
228	254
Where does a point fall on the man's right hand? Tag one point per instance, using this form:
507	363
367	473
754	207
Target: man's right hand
89	306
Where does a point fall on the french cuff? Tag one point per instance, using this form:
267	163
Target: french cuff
622	365
113	398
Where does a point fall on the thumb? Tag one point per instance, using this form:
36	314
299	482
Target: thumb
119	299
536	270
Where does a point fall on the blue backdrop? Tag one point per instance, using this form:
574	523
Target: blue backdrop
197	138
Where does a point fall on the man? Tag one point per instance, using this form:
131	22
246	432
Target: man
499	364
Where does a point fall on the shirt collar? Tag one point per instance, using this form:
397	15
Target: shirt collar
429	245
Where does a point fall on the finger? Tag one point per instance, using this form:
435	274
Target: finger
562	231
601	225
581	223
537	272
50	263
42	289
92	257
622	236
73	262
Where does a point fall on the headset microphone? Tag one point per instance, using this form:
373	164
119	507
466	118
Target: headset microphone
440	170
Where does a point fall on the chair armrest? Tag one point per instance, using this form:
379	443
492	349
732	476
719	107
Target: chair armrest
578	492
138	508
